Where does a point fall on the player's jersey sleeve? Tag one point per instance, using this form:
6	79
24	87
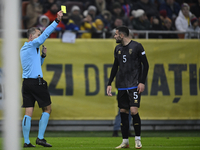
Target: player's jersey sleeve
144	62
114	68
115	52
113	71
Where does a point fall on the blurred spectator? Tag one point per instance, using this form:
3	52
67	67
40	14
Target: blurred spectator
117	12
75	15
158	1
126	6
182	22
109	4
149	8
87	25
195	9
66	24
33	12
193	30
100	5
92	11
156	26
52	12
172	8
47	4
106	18
163	15
43	22
118	22
140	21
99	29
168	27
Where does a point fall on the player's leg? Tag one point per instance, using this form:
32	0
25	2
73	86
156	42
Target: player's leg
123	104
137	126
26	126
130	121
135	104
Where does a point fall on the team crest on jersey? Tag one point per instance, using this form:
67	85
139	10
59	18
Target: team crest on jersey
119	52
130	51
135	101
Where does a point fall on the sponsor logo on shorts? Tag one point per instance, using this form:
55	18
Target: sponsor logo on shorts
135	101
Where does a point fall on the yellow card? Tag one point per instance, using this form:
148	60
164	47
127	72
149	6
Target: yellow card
63	8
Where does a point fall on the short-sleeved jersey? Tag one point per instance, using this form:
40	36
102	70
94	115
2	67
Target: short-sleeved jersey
129	61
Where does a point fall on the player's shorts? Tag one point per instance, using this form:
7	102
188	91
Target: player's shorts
32	91
128	98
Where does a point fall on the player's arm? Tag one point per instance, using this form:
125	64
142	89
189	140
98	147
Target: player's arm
112	76
40	40
145	68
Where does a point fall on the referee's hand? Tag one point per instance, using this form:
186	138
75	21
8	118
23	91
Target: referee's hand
44	49
109	88
59	15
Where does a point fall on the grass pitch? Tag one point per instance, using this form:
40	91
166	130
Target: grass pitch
109	143
151	140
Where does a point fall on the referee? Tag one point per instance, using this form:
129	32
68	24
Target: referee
34	87
130	68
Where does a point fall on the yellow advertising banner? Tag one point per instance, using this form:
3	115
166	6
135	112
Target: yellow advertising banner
77	76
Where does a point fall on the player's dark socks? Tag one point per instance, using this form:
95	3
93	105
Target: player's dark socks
124	125
137	124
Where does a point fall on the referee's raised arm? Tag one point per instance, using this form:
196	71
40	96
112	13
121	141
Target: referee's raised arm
41	39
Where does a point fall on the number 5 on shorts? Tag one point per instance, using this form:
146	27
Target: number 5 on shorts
135	95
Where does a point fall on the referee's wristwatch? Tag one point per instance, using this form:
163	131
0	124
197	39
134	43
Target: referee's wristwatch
43	55
57	21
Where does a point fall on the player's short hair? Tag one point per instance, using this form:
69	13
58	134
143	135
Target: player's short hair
32	31
124	30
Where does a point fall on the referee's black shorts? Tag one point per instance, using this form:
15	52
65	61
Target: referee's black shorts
128	98
32	91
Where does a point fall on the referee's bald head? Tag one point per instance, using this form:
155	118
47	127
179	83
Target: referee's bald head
124	30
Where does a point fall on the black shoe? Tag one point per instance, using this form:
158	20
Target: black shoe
115	133
28	145
43	142
131	135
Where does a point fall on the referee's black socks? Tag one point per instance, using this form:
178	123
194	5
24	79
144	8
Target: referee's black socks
124	124
137	124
